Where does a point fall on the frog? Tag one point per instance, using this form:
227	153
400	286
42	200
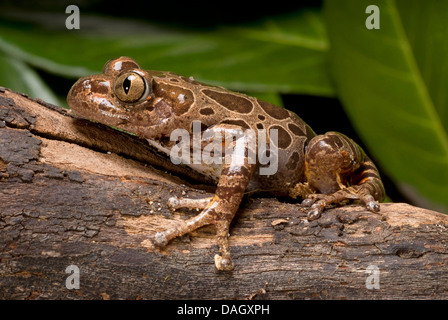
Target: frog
321	171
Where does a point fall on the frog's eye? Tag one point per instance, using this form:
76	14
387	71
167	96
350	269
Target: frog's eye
131	87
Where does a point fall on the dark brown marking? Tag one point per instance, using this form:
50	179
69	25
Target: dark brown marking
181	99
207	111
274	111
261	117
148	106
293	160
296	130
174	80
98	88
106	107
230	101
260	126
284	139
365	171
240	123
128	65
203	126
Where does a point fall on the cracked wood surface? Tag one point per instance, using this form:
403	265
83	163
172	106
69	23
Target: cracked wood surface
78	193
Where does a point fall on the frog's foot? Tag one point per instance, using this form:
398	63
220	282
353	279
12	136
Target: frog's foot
211	214
318	202
223	261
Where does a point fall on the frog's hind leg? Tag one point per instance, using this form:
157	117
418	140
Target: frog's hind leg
338	168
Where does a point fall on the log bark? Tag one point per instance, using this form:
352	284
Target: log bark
75	193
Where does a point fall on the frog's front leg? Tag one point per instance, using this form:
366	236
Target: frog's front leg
219	210
336	169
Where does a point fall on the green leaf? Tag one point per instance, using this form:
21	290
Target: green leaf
284	54
392	82
17	75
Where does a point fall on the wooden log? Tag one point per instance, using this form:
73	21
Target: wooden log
78	196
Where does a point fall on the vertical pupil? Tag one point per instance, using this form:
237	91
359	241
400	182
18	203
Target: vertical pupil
127	84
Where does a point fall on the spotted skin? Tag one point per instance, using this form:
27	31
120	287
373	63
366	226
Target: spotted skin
320	169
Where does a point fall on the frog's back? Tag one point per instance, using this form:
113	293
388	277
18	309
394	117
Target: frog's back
216	105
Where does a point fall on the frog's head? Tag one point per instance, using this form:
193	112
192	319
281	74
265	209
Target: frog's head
121	97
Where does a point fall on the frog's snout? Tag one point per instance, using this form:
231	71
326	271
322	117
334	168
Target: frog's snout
92	98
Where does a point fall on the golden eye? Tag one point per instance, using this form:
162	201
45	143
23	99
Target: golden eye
131	87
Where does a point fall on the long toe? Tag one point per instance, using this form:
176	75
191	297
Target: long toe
373	206
307	202
224	264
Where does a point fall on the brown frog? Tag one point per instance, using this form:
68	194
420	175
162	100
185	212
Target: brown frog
240	143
